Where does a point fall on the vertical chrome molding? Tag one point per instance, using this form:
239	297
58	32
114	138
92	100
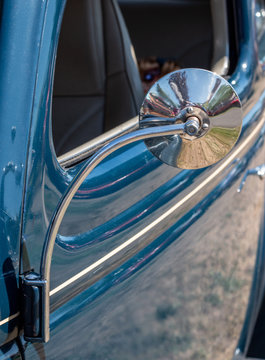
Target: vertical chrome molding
220	60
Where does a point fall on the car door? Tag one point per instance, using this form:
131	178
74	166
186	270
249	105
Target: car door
150	261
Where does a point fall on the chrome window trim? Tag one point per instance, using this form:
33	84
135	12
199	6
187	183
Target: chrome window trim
87	149
220	61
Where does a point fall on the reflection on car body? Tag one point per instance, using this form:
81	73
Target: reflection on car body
150	261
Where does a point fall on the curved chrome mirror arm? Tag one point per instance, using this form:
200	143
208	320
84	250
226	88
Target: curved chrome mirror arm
41	281
86	169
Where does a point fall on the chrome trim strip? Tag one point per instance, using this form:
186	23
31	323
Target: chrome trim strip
163	216
11	317
83	151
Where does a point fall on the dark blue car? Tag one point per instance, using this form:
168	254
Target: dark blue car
131	206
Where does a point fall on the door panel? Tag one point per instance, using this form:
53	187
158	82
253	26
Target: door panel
151	262
182	297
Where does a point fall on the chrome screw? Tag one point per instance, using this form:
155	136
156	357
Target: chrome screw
192	126
205	126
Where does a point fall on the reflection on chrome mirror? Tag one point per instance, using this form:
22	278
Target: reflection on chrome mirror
207	106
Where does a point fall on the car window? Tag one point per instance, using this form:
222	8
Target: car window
99	84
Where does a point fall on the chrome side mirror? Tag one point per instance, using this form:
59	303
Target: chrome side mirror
190	118
207	104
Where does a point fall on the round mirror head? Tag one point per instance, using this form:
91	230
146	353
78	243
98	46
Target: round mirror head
206	103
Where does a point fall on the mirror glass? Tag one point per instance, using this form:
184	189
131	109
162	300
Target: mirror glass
199	94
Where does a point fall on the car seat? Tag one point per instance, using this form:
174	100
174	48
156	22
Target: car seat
96	85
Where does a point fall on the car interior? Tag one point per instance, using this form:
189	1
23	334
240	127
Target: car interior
110	52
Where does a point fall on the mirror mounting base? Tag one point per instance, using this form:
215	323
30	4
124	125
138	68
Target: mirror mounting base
34	302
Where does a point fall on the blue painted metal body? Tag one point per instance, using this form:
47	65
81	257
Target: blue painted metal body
123	195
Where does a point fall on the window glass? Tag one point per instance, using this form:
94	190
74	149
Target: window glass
99	84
